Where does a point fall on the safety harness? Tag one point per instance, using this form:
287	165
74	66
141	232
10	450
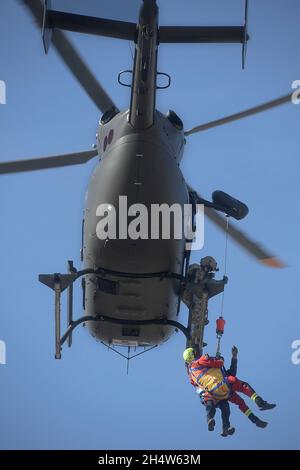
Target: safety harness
212	381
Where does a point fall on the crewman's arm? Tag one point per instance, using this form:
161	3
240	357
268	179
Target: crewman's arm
190	376
192	382
210	362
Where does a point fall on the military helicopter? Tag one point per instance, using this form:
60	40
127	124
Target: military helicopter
132	288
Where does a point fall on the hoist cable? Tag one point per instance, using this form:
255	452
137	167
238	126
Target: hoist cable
225	260
219	335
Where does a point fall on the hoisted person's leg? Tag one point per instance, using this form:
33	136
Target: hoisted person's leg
225	412
210	414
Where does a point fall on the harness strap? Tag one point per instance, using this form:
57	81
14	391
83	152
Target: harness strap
205	369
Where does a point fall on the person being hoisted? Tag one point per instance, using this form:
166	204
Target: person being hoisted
218	385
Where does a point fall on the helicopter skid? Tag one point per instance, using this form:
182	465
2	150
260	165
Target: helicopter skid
61	282
196	292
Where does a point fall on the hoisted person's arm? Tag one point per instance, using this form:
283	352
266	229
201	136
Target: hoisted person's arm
233	366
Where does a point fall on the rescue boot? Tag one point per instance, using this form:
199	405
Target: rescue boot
258	422
228	432
211	424
264	405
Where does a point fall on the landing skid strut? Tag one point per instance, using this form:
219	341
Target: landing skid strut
195	293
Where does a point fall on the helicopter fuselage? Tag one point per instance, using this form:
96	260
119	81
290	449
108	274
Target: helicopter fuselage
143	166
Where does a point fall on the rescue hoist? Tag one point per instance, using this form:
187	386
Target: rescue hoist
220	325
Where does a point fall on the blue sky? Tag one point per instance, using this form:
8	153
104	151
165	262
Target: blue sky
87	400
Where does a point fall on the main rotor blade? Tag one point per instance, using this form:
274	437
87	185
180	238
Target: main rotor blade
55	161
252	247
241	115
73	61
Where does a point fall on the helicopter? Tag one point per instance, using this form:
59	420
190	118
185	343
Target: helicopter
132	288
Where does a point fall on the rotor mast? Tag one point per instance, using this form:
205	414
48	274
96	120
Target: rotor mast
143	89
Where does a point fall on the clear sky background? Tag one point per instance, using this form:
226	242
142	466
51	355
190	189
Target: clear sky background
86	400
